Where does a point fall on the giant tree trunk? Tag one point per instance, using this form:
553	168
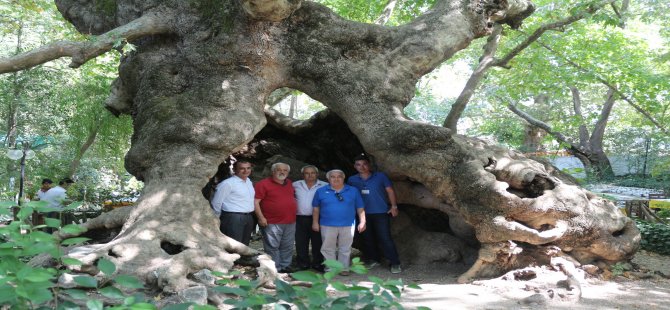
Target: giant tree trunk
196	91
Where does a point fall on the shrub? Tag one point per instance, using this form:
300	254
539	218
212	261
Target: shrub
655	237
383	294
25	287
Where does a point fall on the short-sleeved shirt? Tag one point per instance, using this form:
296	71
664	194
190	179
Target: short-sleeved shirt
373	191
55	197
234	195
305	195
40	194
277	201
336	212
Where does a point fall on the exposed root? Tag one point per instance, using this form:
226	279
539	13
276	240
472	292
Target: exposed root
493	259
572	283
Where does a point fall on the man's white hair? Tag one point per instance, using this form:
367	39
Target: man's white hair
329	173
275	165
302	170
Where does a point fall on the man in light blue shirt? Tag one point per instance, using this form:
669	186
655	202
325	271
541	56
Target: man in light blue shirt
334	215
233	202
304	194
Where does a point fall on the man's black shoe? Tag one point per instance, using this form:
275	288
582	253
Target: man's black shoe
319	268
286	270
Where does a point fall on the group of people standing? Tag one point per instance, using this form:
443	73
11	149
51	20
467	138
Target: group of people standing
310	211
56	198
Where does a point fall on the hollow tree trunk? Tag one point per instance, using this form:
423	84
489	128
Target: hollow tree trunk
196	90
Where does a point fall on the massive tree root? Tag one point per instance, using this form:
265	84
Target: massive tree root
164	252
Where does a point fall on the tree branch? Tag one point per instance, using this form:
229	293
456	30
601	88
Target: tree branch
535	122
81	52
610	86
487	60
504	61
386	13
457	108
599	129
577	106
290	125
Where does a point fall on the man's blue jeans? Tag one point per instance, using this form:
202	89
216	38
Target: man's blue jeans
378	234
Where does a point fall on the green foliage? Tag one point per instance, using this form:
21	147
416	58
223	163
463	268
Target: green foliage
382	295
655	237
369	11
619	268
23	286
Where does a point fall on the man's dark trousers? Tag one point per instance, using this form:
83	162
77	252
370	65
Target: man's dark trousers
303	236
238	226
378	233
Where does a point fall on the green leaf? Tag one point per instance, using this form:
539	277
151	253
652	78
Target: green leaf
414	286
359	269
76	294
69	261
54	223
39	275
128	281
72	241
24	212
339	286
7	294
106	266
7	204
184	306
232	290
203	307
422	308
73	205
142	306
72	229
37	205
333	264
94	304
111	292
307	276
376	280
86	281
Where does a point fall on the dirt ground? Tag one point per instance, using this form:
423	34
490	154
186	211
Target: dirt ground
441	291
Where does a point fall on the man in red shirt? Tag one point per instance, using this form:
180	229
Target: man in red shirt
275	207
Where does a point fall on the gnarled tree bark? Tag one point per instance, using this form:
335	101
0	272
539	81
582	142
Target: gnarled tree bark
197	90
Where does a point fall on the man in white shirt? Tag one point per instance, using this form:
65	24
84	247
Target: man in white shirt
233	202
46	186
304	194
57	198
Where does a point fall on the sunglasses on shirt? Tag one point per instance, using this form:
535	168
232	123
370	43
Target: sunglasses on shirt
339	196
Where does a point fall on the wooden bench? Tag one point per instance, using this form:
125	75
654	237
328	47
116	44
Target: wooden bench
657	196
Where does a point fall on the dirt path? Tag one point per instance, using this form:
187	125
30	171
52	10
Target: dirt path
440	290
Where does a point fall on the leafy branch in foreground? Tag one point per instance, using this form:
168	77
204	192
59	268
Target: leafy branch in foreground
318	291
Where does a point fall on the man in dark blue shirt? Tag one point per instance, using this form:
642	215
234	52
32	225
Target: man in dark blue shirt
377	192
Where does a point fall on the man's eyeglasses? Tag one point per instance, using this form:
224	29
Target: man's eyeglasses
339	196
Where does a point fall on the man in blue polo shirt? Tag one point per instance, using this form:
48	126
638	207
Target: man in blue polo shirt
334	215
377	192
